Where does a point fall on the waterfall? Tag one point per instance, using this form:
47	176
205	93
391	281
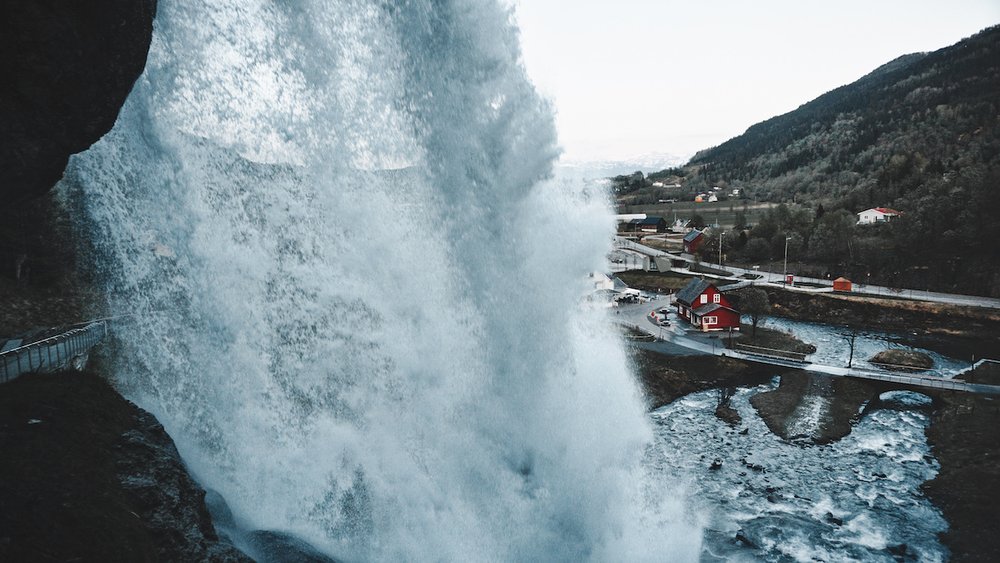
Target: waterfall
351	286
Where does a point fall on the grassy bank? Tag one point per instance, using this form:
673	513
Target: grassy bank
887	314
774	339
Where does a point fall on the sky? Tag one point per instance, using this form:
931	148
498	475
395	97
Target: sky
633	77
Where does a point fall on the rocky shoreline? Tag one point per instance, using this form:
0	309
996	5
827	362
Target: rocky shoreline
963	437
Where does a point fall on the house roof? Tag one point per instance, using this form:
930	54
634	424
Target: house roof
710	308
692	236
651	220
842	279
691	291
882	210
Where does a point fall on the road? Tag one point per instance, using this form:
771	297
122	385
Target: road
864	289
826	285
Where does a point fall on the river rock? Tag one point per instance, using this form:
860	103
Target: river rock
742	537
728	415
902	360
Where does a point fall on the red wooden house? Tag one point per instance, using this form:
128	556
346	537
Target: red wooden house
692	241
705	307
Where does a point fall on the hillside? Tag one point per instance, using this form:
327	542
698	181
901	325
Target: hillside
920	134
918	116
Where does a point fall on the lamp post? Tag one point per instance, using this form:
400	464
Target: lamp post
722	235
786	259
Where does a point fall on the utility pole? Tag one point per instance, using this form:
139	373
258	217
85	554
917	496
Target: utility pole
722	235
786	259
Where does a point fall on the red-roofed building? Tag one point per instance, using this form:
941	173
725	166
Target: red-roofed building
877	215
705	307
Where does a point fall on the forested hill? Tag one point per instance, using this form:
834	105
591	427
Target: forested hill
872	141
920	134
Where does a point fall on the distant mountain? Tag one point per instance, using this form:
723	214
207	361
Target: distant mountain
647	162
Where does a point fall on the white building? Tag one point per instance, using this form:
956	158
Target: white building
877	215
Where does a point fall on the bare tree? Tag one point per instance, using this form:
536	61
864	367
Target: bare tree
755	303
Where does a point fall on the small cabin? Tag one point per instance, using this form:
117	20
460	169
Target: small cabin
842	284
704	306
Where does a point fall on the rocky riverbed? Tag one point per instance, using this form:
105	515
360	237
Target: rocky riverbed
814	410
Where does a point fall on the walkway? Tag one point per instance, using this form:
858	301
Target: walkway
637	317
51	354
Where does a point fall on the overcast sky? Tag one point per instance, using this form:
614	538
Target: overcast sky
643	76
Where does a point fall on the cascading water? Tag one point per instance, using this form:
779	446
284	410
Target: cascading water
354	295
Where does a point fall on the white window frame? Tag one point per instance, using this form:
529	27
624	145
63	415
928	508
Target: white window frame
717	298
704	298
710	320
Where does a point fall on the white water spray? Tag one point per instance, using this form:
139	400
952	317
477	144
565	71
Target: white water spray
356	296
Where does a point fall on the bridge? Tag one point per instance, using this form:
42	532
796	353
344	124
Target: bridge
677	336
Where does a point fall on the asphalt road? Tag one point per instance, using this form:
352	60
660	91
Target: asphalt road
864	289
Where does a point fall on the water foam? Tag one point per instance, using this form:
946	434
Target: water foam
355	286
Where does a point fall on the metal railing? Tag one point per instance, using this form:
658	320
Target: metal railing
898	367
53	353
771	352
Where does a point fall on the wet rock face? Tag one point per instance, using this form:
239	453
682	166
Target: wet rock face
165	498
66	68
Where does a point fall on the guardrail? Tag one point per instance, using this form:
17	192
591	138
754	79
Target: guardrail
930	381
898	367
53	353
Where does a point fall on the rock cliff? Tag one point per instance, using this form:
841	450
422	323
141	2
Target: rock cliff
66	68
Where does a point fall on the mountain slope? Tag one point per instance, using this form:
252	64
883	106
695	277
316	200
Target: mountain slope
920	134
875	139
